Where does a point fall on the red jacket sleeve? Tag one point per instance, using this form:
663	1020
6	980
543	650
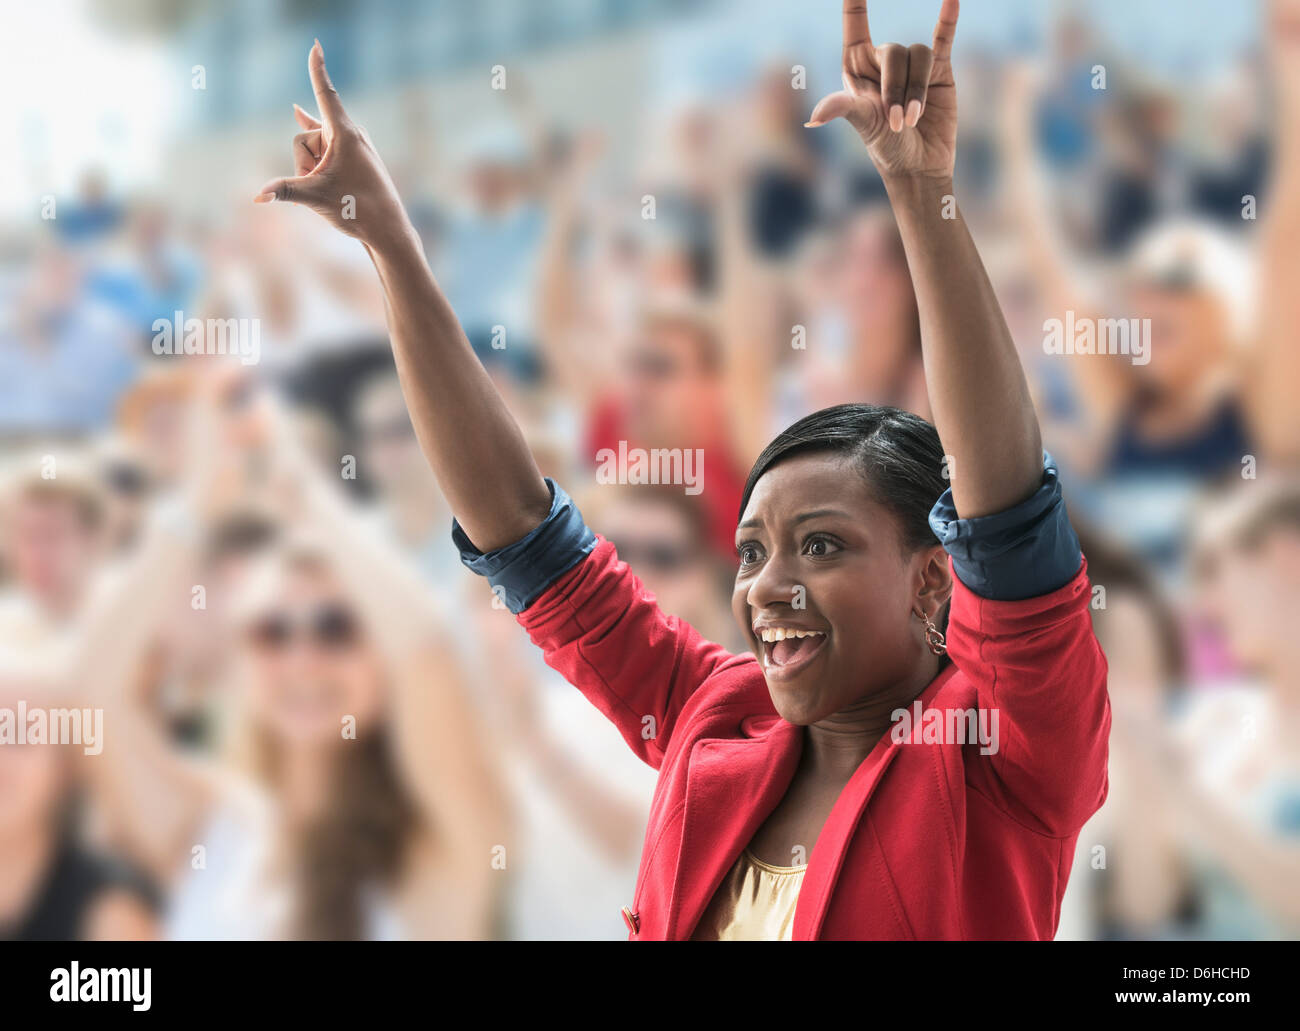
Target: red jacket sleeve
1037	664
601	629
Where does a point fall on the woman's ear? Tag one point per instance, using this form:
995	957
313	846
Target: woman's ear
934	585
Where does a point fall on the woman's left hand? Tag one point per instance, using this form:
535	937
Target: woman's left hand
902	100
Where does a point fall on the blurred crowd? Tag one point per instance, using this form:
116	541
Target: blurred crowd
318	724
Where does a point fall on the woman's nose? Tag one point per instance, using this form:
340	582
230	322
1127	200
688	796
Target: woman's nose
775	584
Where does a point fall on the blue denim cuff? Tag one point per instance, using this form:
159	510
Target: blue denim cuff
1023	552
520	572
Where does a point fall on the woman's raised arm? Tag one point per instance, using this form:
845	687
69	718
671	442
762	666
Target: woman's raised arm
903	103
471	441
1273	364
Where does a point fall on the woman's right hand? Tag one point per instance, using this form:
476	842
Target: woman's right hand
337	172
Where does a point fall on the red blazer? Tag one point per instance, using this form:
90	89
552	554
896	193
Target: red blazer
927	841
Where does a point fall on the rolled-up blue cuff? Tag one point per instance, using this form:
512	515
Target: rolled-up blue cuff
1022	552
521	571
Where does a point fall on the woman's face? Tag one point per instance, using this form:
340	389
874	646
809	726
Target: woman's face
50	547
668	388
1187	335
392	453
1249	594
311	664
658	542
819	554
874	275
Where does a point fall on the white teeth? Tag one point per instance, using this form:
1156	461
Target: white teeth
770	635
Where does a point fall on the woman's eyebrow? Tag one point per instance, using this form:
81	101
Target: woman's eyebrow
803	517
818	513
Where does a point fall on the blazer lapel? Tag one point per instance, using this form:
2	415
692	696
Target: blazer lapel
732	786
832	844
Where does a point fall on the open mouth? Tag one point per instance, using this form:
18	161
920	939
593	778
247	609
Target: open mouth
788	650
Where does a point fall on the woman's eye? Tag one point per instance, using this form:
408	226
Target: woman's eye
820	547
749	554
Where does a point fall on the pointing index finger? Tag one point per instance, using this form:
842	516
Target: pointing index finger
327	97
946	29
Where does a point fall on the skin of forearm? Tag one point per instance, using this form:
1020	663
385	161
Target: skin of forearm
556	298
978	392
124	614
1273	366
476	450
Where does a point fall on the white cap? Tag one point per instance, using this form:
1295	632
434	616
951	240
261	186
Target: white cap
1197	254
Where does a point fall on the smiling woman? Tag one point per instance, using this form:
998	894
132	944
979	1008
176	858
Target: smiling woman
784	808
834	518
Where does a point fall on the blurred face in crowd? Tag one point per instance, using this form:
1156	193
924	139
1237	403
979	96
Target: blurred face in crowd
493	184
874	290
669	387
873	274
811	523
56	280
1248	590
1188	335
665	550
310	661
392	453
52	547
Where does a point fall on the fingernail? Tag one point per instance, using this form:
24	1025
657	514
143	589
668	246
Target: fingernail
913	112
896	118
811	125
264	198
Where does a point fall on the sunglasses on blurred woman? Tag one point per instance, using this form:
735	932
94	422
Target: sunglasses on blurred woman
329	627
658	556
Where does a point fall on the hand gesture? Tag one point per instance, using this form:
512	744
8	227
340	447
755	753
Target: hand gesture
902	100
337	172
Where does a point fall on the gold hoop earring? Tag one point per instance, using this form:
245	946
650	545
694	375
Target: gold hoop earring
934	638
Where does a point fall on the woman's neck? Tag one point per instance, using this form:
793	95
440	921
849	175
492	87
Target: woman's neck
304	782
835	747
1175	412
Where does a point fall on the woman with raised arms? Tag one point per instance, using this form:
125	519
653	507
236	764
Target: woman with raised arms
793	801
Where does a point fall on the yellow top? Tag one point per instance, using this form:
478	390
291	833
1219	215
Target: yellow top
754	902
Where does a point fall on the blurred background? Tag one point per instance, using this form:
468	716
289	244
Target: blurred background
234	558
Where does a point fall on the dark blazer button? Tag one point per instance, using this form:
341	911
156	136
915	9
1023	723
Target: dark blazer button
633	920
